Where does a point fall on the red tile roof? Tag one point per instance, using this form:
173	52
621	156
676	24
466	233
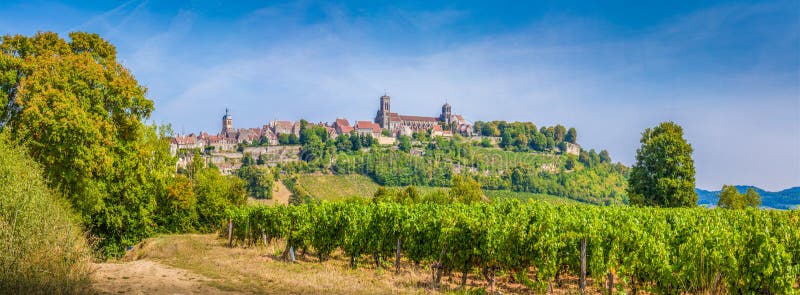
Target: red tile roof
342	122
368	125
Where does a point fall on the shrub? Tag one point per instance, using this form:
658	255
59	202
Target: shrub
43	248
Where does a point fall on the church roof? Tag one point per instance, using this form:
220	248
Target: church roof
418	118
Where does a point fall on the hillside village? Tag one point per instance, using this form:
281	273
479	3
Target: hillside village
277	141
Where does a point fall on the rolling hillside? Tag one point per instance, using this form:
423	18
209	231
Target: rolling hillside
337	187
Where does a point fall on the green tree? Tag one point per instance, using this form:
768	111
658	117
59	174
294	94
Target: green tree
730	198
292	139
485	142
664	171
560	133
465	189
80	114
752	198
258	180
215	194
283	138
404	143
177	209
605	157
572	136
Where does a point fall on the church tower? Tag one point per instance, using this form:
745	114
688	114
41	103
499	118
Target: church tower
227	123
382	117
446	111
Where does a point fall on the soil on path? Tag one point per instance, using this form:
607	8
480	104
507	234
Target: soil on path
148	277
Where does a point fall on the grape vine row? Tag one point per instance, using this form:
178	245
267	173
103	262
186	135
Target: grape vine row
662	250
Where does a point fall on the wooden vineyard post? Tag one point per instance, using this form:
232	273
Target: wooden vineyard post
582	282
439	267
397	258
230	233
610	283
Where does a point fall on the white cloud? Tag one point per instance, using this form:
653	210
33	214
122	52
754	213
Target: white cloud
740	112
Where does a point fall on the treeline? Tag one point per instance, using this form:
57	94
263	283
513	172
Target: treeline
523	136
666	251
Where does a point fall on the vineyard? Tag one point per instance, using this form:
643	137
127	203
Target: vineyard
625	248
660	250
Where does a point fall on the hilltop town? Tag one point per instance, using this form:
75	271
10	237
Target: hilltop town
277	141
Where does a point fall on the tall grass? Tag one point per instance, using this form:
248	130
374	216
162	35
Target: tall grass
42	249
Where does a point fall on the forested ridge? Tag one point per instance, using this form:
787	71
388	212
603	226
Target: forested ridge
425	161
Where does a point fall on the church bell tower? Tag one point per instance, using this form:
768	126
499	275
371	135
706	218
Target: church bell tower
382	117
446	111
227	122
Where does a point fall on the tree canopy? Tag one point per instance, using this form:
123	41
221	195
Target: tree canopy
81	115
730	198
664	171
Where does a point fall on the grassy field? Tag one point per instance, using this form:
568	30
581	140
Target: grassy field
206	265
338	187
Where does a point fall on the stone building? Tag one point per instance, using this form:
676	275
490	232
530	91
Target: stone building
368	128
397	123
227	125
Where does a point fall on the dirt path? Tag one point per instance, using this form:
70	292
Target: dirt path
148	277
282	194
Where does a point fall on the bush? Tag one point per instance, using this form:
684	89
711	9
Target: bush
216	193
43	248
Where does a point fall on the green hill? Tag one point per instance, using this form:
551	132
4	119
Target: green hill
337	187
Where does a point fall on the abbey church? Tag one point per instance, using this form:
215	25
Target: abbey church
403	124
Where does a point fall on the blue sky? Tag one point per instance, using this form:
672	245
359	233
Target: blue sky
728	72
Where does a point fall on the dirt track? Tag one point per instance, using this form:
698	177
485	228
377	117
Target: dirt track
148	277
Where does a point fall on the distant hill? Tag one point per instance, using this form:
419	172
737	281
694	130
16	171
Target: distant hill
785	199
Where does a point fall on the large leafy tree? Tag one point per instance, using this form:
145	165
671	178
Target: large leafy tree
465	189
80	114
664	171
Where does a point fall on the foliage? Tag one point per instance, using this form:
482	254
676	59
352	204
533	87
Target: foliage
216	193
44	250
730	198
404	143
80	114
523	136
666	251
664	171
258	180
177	209
465	190
594	181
